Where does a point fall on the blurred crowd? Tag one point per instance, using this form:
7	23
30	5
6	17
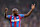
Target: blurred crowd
24	7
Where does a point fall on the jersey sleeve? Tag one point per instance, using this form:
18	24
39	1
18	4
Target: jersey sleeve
22	15
8	16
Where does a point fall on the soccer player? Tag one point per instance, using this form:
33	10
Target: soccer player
15	19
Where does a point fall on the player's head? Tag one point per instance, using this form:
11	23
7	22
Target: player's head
15	11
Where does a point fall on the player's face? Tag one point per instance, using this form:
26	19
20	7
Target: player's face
15	12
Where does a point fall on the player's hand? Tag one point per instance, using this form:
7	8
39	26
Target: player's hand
6	9
33	6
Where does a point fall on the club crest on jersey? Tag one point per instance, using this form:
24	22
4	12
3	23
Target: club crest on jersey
12	17
17	17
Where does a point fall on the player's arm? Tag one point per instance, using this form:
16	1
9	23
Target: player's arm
32	8
6	9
